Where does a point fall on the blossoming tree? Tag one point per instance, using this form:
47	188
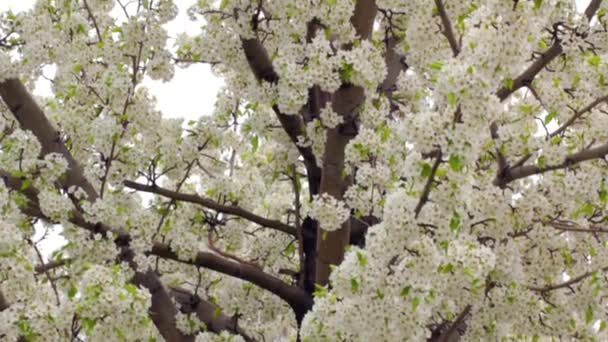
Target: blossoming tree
374	170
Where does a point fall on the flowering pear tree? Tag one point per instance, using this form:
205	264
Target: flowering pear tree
373	170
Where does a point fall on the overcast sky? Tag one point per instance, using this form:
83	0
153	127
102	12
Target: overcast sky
192	91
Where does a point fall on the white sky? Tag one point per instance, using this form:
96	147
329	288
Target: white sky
192	91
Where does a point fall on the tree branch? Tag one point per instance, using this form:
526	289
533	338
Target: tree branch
162	315
262	68
517	172
448	31
32	118
578	114
208	313
213	205
568	283
297	298
568	226
446	336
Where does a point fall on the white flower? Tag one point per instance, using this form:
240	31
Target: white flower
329	211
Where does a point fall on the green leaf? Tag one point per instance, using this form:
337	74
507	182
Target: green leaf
320	291
556	140
72	292
538	4
25	184
455	222
594	60
217	312
255	143
361	258
415	303
426	170
131	289
88	324
437	65
455	162
452	99
541	162
550	116
589	314
354	285
526	109
585	209
405	291
508	83
224	4
347	71
445	268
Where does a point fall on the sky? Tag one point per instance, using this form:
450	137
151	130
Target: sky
190	94
192	91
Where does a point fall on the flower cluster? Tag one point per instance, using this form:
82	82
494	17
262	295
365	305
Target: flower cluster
329	211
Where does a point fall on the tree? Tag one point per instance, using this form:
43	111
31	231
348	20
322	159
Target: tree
374	170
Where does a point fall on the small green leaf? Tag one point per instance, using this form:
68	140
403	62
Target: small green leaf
445	268
320	291
541	162
131	289
550	116
508	83
405	291
361	258
437	65
72	292
594	60
589	314
455	162
354	285
426	170
415	303
455	222
347	71
452	99
255	143
25	184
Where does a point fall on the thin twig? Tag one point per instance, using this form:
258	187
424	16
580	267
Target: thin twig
429	184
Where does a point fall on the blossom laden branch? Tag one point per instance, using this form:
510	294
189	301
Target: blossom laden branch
213	205
31	117
565	284
448	31
578	114
521	171
208	313
457	324
297	298
528	75
568	226
262	68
